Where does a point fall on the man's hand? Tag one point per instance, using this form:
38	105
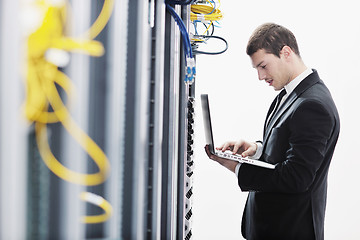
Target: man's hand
244	148
229	164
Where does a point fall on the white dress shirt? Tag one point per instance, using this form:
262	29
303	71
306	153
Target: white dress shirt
289	88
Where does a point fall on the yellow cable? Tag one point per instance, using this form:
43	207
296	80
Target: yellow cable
42	92
53	98
207	29
100	202
101	20
36	102
204	13
93	48
43	78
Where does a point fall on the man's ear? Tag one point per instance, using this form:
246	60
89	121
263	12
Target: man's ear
286	51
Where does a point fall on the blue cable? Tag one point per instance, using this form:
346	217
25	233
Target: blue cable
179	2
183	30
190	69
195	26
213	8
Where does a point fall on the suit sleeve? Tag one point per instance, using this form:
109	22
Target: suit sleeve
309	129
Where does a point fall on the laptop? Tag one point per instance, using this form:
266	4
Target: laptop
209	139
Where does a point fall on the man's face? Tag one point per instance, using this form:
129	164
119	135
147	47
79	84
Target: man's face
272	69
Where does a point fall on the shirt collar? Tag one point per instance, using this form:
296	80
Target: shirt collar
293	84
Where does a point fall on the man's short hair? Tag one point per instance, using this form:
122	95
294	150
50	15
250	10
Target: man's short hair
272	38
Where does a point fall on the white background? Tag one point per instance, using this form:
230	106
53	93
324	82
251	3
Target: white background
328	35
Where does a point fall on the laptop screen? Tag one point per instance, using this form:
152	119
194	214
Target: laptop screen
207	122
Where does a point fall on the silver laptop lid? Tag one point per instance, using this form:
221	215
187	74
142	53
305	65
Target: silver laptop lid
207	122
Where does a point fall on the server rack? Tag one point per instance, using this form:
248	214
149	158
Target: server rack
13	131
132	102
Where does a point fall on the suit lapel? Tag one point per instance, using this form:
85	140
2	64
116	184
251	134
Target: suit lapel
303	86
272	106
289	100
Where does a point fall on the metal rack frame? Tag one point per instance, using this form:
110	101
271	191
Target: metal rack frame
132	102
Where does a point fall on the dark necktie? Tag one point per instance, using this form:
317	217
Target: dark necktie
278	100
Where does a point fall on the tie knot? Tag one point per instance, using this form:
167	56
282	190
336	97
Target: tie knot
282	93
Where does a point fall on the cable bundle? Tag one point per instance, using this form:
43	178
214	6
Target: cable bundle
207	13
47	48
203	12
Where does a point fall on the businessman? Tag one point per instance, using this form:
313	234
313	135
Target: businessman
300	133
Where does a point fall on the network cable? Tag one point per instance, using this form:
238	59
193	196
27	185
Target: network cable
183	31
190	69
42	79
206	12
177	2
97	201
211	53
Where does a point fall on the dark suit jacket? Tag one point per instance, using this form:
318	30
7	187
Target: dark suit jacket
289	201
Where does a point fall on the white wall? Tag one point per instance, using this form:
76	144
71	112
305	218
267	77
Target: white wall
328	34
